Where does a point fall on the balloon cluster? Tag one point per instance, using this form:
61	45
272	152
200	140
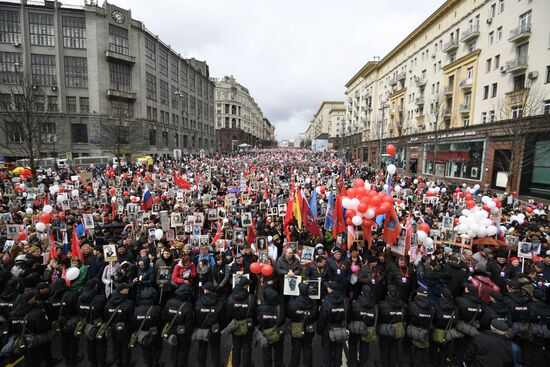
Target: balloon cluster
257	268
362	204
422	235
475	222
520	218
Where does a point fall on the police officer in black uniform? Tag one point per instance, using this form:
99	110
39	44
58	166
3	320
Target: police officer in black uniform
63	314
334	314
178	325
496	309
240	307
91	306
535	353
470	311
420	315
270	317
392	311
364	309
123	310
8	300
147	320
446	314
302	310
517	302
209	315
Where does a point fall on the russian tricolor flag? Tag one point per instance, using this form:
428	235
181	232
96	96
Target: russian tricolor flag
147	201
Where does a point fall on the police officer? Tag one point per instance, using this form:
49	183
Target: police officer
446	314
8	300
63	314
392	311
364	309
420	314
28	318
535	353
517	302
121	308
147	319
334	314
240	311
496	309
470	311
209	315
91	306
178	320
270	317
302	311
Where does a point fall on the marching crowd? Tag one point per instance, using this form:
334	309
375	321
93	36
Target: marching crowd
131	265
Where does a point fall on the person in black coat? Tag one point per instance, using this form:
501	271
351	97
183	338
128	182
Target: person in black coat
456	276
364	309
91	305
490	348
420	314
496	310
209	313
403	276
335	313
270	314
145	278
535	353
391	310
123	310
240	307
496	269
517	302
149	311
302	309
338	269
64	309
446	315
179	309
470	311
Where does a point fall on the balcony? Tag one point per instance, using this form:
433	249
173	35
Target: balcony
448	90
519	34
450	46
470	34
401	76
446	113
116	57
421	81
466	84
516	65
116	94
465	108
419	101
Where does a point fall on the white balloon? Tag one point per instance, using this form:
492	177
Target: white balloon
415	181
468	189
72	273
491	231
225	221
482	232
486	222
397	188
74	193
357	220
494	211
308	180
491	204
318	190
367	185
471	233
370	213
462	228
485	199
464	185
391	169
463	218
421	235
465	212
47	209
444	190
28	211
385	187
346	203
40	227
355	203
437	189
521	216
429	242
158	234
476	187
474	227
52	190
520	221
431	190
502	229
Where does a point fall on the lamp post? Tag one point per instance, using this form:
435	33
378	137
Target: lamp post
381	132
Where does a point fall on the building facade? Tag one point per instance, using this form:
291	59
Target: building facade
239	119
94	66
327	124
455	83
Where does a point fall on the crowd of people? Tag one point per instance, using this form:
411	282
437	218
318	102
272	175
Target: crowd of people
144	261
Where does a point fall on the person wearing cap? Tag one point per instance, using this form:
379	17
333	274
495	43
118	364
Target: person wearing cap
363	310
320	250
318	270
209	315
148	310
517	301
456	275
496	309
121	308
91	305
392	311
420	315
535	353
241	307
270	318
446	315
470	311
496	269
238	267
177	317
338	267
302	312
335	313
491	348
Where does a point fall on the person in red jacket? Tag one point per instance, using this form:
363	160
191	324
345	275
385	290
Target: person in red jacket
483	283
184	272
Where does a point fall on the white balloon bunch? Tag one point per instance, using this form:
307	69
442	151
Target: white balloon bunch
520	218
424	239
476	223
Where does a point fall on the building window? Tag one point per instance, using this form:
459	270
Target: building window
10	27
491	37
74	32
120	109
152	137
150	86
484	117
14	132
149	113
465	121
162	116
120	77
486	92
471	46
492	11
488	65
163	62
79	133
48	133
192	81
174	63
174	93
84	105
165	138
497	61
500	6
41	29
71	104
76	72
52	103
39	103
118	40
548	74
521	53
43	69
184	102
185	141
163	92
150	53
494	90
517	112
525	20
499	34
519	82
546	107
154	114
456	159
492	116
10	67
183	75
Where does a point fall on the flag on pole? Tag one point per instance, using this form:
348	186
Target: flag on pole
147	201
297	212
181	182
392	227
75	247
339	222
313	204
53	249
329	216
309	222
218	234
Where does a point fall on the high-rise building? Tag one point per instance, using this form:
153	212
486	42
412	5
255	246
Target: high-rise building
327	124
95	67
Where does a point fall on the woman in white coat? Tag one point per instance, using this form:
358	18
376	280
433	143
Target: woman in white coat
109	273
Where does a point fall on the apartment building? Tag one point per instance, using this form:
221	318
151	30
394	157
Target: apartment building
455	82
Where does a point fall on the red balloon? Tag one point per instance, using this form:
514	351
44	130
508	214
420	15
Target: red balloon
156	199
163	196
362	207
267	270
390	149
375	200
349	222
529	210
255	268
367	223
515	193
359	183
45	218
486	208
388	199
18	188
424	227
323	188
61	215
361	191
139	174
419	178
350	213
112	191
499	204
383	208
456	221
89	188
135	180
470	204
351	193
22	236
457	190
125	193
468	196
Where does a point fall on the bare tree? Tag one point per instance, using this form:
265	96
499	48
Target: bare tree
115	138
23	120
517	114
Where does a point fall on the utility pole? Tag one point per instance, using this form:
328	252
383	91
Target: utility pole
383	109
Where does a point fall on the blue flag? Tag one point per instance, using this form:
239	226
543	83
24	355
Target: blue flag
313	204
329	217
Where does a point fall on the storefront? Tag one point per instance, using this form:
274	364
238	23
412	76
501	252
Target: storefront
460	159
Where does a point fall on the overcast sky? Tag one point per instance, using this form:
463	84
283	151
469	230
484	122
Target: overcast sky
290	54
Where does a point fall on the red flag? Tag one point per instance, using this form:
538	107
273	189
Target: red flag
339	222
367	233
218	234
308	220
113	210
53	249
251	233
181	182
288	214
64	276
392	227
266	194
75	247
